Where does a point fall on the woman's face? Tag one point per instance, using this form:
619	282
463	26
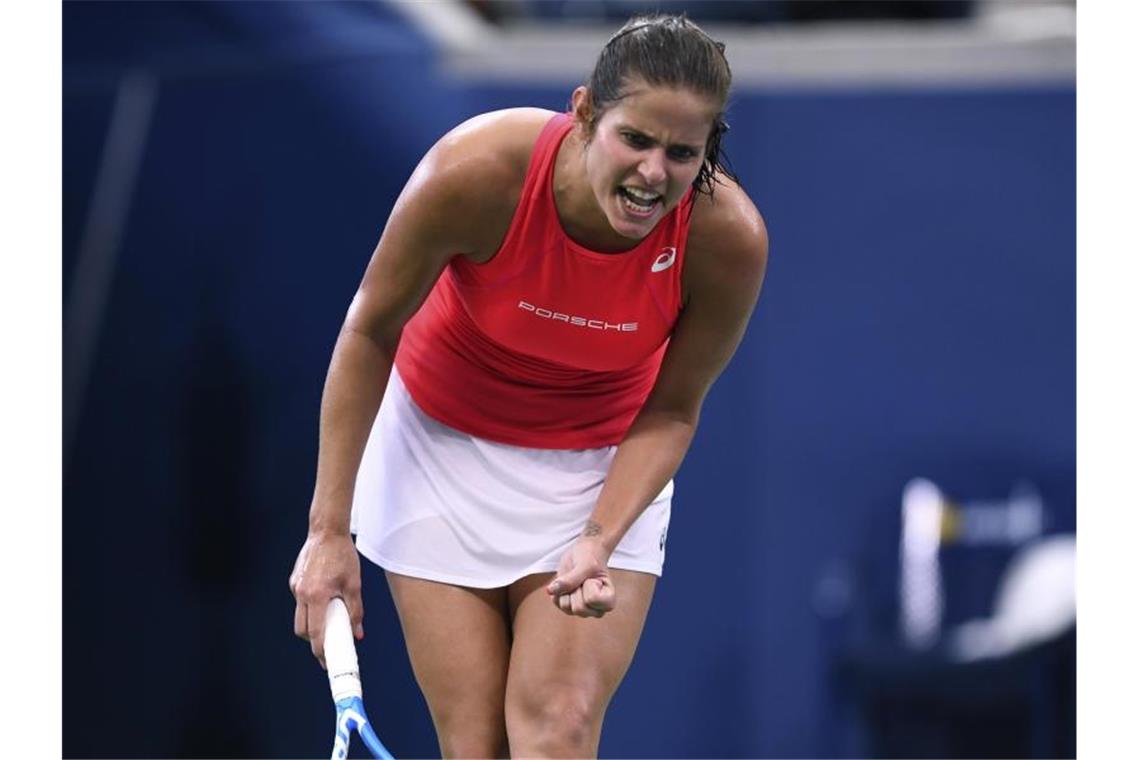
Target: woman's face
646	150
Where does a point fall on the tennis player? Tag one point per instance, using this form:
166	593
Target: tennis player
518	379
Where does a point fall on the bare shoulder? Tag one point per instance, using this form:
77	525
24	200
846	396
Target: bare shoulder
502	139
725	259
475	174
728	241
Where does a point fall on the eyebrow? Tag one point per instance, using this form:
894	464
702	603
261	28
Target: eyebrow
635	130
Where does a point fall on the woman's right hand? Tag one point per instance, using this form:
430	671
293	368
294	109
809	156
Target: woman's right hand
326	567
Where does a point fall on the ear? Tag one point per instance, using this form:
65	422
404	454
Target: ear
582	106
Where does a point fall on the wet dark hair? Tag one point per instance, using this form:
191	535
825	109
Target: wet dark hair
667	51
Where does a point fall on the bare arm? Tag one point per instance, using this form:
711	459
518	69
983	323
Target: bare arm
407	262
438	215
723	281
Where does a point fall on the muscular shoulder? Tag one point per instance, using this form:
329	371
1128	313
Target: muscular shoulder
728	242
496	141
476	173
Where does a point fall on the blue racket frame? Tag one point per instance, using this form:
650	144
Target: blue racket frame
350	716
344	683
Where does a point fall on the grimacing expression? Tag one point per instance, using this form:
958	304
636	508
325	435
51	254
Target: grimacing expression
645	152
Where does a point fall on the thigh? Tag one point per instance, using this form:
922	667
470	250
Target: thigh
458	641
564	668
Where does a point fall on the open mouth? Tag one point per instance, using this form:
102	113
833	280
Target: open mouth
638	202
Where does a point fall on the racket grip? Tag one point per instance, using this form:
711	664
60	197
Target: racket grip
340	652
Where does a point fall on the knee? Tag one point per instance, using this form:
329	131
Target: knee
471	747
470	735
564	721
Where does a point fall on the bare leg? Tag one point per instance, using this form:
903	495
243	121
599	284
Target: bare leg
564	669
459	645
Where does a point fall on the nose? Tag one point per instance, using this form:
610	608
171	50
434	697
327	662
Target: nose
652	167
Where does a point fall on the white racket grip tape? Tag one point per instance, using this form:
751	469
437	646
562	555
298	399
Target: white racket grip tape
340	652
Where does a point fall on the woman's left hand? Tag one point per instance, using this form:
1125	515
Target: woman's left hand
583	586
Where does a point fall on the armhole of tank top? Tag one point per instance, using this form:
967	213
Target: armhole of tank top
538	155
683	212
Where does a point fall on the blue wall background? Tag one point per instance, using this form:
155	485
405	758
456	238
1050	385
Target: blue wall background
918	319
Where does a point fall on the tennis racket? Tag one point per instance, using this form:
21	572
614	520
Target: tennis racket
344	679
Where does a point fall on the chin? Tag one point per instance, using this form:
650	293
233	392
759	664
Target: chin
633	229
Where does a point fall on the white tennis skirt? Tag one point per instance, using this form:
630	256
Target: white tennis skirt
432	502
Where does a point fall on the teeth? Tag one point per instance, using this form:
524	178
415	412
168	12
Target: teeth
636	208
641	195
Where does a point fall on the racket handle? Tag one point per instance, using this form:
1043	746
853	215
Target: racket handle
340	652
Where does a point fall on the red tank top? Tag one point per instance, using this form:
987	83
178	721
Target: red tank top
549	344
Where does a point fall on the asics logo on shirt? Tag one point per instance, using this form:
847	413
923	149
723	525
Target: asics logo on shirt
592	324
665	260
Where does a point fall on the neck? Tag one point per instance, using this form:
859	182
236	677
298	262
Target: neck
578	212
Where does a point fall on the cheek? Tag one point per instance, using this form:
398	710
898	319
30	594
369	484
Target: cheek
605	168
598	178
682	179
614	157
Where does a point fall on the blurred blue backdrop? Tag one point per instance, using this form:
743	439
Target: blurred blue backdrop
918	318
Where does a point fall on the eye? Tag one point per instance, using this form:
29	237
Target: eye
636	139
682	154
